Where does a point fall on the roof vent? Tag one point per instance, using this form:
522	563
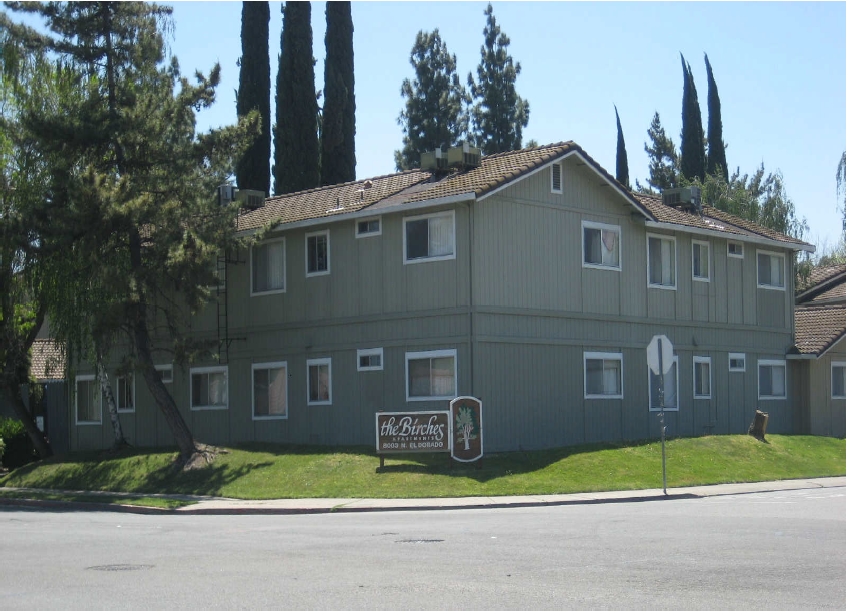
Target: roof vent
225	194
464	156
251	199
435	160
688	197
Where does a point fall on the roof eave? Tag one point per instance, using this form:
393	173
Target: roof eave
673	226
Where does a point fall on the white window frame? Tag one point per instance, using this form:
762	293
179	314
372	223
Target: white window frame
677	389
209	370
703	361
734	243
601	227
165	367
781	255
610	356
87	378
328	361
429	354
360	235
133	407
706	244
674	241
370	352
253	292
832	366
268	366
427	259
737	355
553	167
773	363
325	233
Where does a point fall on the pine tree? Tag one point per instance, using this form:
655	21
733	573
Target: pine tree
692	134
252	170
663	161
499	114
295	135
622	174
433	114
338	120
716	147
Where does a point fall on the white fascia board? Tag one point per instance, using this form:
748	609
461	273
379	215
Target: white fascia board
758	239
800	357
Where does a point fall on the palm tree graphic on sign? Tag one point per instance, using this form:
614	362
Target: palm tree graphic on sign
466	427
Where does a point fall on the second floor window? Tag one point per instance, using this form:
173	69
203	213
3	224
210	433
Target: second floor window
601	245
317	253
430	237
771	270
268	264
661	261
701	261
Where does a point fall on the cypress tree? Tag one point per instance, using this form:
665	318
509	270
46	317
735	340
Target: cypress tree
622	174
338	120
252	169
716	146
692	133
295	135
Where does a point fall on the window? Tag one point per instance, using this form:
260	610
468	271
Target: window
319	389
601	245
165	372
556	178
701	261
431	375
701	377
368	228
430	237
736	362
209	388
839	383
604	375
370	359
670	389
270	399
317	253
87	401
771	270
268	267
771	379
735	249
125	393
661	262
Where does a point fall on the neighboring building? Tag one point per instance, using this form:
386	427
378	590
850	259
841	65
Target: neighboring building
820	329
533	281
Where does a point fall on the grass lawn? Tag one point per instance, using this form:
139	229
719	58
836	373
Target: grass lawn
265	471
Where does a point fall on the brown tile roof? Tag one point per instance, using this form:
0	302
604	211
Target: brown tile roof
819	275
817	328
48	361
836	293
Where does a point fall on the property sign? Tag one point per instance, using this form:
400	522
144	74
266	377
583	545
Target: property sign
467	431
412	432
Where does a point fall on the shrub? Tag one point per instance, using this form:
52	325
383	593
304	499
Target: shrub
18	448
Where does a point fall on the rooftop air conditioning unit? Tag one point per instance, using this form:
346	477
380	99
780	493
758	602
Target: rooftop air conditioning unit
688	197
225	194
251	199
465	155
434	160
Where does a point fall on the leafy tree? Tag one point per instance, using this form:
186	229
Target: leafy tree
663	160
338	122
434	114
622	174
716	147
295	135
692	134
252	170
841	188
499	113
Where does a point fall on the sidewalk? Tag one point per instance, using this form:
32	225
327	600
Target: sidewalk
203	505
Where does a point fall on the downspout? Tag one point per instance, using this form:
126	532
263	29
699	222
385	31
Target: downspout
471	309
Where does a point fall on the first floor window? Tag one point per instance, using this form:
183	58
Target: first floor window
661	261
209	388
320	383
87	400
125	393
268	263
839	383
771	270
771	379
601	245
429	237
270	390
701	377
431	375
701	261
370	359
317	253
603	377
670	389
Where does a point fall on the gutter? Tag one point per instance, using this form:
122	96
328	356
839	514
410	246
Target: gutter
759	239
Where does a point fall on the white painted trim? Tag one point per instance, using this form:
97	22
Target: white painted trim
133	408
736	355
267	366
561	178
677	388
772	363
275	291
429	354
781	255
674	240
832	366
601	226
703	361
611	356
739	238
164	367
735	255
706	244
87	378
369	352
326	233
209	370
328	361
427	259
379	230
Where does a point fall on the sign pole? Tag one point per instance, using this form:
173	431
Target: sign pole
662	413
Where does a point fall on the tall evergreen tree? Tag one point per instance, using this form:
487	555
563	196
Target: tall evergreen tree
434	114
622	174
252	170
499	113
716	146
295	135
692	133
338	120
663	160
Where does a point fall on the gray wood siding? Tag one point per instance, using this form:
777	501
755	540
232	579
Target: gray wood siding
827	416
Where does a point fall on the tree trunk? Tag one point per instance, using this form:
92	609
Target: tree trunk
41	444
118	437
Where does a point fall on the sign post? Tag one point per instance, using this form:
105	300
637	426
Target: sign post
660	354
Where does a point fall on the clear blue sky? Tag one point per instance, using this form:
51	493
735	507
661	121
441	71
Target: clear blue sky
779	68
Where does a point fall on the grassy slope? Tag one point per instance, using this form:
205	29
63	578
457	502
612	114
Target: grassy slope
257	471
